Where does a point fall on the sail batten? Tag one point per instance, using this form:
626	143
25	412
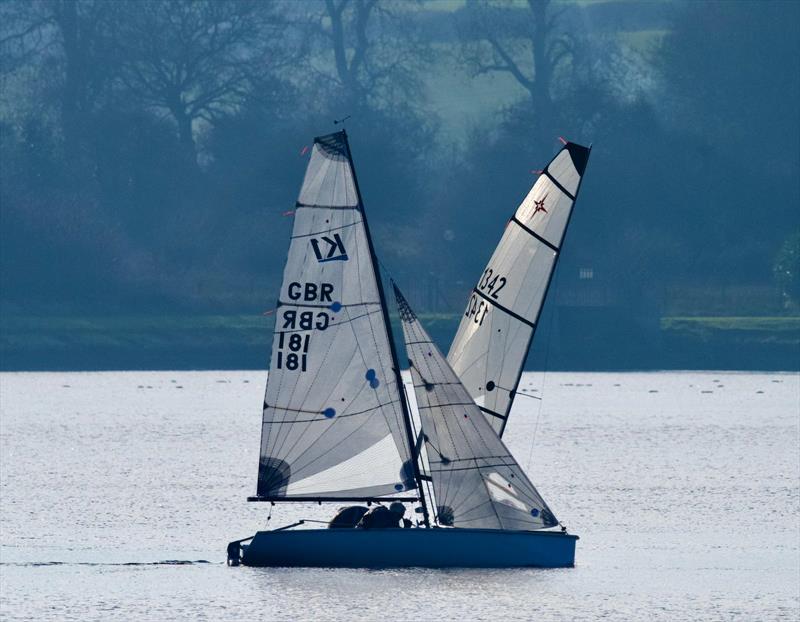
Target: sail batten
477	483
494	336
333	422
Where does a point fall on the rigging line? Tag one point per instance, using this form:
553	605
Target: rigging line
516	393
544	373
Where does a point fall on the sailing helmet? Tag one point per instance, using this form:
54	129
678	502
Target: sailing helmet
397	508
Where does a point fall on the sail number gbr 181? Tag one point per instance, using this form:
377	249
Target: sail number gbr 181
293	340
489	284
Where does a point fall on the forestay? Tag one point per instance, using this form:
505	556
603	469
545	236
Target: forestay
476	481
333	419
496	330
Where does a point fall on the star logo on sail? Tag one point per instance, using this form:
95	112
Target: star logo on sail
332	251
539	206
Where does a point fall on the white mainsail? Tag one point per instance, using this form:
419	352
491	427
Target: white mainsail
496	330
476	481
333	419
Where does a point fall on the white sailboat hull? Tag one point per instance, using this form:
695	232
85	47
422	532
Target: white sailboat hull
418	547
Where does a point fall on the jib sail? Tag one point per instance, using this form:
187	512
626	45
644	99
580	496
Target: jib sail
477	483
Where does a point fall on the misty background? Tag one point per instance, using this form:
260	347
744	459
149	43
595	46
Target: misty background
150	151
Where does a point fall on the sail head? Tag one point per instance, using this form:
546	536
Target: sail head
332	420
496	329
477	483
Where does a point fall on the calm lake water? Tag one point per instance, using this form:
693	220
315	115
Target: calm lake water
119	492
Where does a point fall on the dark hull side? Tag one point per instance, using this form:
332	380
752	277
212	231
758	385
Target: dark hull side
397	548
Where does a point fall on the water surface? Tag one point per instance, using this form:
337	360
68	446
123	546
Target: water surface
120	490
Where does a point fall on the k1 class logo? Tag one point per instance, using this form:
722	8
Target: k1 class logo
327	249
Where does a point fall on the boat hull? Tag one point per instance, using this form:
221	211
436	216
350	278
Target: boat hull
397	548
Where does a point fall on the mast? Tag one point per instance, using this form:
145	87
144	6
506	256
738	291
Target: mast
395	364
544	299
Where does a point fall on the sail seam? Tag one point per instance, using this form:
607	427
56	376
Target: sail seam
558	185
548	244
506	310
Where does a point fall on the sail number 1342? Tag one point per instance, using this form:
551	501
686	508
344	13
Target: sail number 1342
491	284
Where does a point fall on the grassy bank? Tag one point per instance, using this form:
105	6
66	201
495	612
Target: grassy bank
243	341
776	329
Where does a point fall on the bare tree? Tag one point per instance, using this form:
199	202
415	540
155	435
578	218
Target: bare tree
71	36
525	43
196	60
369	51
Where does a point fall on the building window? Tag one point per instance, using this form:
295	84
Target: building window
585	274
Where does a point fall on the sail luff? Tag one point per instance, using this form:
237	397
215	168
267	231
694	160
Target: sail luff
504	309
392	348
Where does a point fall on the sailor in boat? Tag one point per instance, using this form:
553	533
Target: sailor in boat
381	517
348	517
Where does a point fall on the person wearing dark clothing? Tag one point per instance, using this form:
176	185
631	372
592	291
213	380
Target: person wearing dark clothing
348	517
381	517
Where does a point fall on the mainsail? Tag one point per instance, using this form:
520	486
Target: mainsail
333	419
496	330
476	481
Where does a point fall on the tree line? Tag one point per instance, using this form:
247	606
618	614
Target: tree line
150	149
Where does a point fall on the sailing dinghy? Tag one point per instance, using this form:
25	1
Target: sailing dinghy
496	331
337	426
